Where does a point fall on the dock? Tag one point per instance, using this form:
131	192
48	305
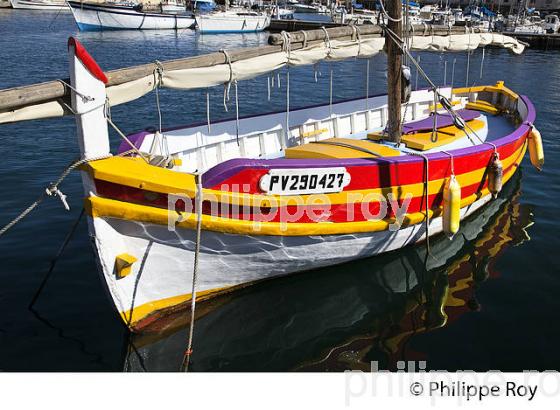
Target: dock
539	41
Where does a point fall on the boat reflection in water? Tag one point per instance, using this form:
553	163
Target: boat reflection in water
345	316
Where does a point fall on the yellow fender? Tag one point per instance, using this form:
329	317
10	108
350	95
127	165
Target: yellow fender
451	206
536	151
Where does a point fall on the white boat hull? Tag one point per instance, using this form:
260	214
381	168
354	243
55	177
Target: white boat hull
163	275
39	5
231	23
90	17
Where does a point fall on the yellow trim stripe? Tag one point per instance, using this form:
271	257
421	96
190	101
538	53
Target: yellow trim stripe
98	207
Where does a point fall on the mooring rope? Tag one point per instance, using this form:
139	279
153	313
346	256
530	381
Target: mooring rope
51	190
198	208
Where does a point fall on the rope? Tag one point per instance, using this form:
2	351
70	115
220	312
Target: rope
427	191
51	190
198	205
208	109
85	98
285	141
386	14
227	85
304	34
434	136
57	256
367	86
158	74
236	113
330	91
121	134
327	41
452	162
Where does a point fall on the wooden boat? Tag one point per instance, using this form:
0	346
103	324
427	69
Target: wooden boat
231	203
232	21
45	5
106	16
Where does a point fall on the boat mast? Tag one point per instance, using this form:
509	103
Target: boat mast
394	71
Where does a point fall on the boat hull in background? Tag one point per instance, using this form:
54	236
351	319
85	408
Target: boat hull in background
45	5
92	17
231	23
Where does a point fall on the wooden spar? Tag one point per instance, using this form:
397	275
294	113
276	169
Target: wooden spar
18	97
394	71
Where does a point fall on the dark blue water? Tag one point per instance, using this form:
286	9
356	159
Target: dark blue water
491	303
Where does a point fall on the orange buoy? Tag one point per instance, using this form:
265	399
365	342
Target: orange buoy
451	217
536	151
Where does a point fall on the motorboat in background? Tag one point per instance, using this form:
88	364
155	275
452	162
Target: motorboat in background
551	23
5	4
45	5
107	16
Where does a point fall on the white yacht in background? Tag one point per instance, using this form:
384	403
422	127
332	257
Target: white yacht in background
232	21
55	5
111	16
5	4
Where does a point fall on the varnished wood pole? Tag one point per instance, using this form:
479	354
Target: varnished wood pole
17	97
394	70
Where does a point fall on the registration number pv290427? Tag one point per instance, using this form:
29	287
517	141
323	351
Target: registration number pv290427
304	181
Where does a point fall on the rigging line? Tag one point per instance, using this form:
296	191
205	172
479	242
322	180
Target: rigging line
367	86
387	15
285	141
426	196
208	109
227	85
453	73
158	74
236	113
468	68
331	90
198	201
482	62
121	134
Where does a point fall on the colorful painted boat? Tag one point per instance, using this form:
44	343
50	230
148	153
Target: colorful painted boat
45	5
281	192
232	21
105	16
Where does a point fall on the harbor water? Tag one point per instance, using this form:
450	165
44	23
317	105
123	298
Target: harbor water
488	299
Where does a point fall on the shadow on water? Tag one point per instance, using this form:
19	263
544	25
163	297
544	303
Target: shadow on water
342	318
